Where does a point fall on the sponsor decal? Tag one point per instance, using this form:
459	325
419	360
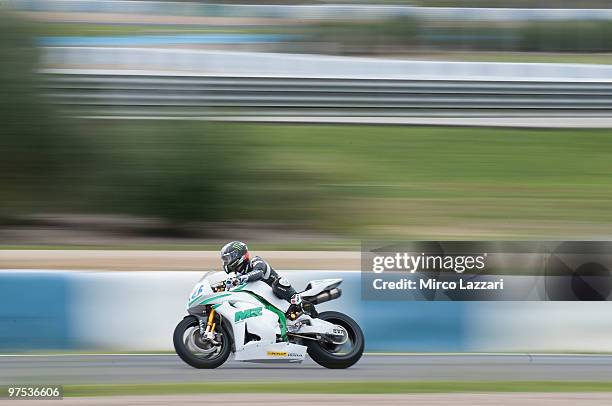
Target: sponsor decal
245	314
277	353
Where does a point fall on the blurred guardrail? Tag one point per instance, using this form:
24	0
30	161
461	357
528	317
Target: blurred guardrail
309	11
137	311
202	83
183	95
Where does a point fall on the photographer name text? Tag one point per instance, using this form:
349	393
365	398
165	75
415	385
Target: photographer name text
434	284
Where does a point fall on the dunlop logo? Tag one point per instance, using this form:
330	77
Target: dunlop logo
277	353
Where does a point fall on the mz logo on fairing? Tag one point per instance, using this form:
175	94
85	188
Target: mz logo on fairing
245	314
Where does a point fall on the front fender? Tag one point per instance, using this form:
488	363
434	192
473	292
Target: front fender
190	316
199	310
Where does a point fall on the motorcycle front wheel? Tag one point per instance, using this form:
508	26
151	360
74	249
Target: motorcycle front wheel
197	351
338	356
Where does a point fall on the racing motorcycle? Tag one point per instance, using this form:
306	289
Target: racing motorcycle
249	321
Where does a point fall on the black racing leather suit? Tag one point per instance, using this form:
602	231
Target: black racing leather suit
259	270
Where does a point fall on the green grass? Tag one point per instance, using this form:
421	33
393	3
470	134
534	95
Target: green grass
393	181
337	387
387	182
357	182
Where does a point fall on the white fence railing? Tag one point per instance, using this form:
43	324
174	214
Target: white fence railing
261	64
209	83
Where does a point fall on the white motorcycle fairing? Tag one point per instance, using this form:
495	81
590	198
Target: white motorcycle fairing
317	286
256	317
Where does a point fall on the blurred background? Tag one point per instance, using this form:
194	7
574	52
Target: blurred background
137	123
134	131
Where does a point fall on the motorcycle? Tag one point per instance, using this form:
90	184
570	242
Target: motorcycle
249	321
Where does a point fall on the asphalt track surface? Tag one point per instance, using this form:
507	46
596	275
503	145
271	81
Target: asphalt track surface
168	368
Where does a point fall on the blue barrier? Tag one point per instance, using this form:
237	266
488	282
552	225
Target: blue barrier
40	310
413	326
34	311
98	311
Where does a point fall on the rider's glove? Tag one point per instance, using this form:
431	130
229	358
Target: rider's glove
232	282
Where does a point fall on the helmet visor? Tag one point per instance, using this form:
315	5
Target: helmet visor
230	257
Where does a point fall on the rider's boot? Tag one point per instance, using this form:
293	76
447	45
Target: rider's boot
299	307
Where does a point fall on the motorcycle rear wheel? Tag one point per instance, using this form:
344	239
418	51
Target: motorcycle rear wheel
338	356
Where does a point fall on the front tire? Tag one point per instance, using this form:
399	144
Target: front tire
337	356
214	359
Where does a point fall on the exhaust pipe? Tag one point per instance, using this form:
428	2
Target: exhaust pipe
325	296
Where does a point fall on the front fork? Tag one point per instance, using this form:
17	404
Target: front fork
208	331
210	324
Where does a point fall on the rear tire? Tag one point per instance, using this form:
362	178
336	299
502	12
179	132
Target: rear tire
190	358
323	354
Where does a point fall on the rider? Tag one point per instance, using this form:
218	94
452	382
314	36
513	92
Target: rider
236	258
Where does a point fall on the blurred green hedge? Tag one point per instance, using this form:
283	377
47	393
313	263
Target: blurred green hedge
365	36
567	36
410	34
41	157
177	171
196	171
